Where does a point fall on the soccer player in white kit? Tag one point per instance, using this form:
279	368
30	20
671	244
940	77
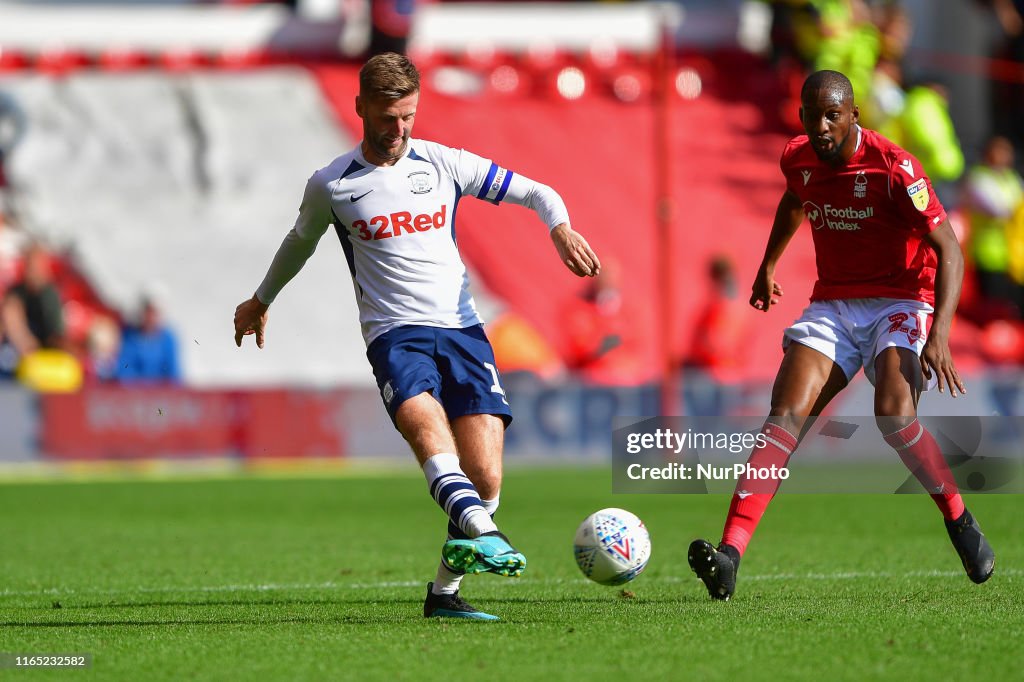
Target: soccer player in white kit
392	201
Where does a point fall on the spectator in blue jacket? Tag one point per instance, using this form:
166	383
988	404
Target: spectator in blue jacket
149	350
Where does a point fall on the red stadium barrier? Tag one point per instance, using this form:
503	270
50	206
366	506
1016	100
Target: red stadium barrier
113	422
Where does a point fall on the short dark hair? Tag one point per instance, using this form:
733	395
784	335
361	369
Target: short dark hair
831	81
389	75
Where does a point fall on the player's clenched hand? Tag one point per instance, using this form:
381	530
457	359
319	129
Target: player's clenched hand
575	252
935	357
765	292
250	318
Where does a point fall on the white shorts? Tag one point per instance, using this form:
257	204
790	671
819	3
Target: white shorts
852	332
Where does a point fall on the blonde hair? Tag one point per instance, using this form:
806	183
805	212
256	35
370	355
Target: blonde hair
388	75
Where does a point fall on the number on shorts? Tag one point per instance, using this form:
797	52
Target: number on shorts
496	386
897	320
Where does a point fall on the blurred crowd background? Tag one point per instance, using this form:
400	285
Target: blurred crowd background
149	167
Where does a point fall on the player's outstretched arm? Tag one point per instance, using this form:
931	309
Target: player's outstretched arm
251	318
949	276
251	315
765	291
297	246
573	249
575	252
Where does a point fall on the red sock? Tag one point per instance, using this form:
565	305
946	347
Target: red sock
753	495
922	455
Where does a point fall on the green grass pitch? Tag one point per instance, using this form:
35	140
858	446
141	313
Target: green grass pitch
323	578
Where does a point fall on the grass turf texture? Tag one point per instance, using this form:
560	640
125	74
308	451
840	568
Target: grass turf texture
324	579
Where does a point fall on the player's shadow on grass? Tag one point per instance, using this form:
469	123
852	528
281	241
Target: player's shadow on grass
577	600
310	620
337	619
232	602
340	602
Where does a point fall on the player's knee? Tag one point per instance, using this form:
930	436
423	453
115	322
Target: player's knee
485	477
888	425
490	484
892	416
890	407
788	417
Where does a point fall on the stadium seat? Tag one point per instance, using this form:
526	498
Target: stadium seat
50	371
182	60
123	59
1002	341
60	62
13	60
241	59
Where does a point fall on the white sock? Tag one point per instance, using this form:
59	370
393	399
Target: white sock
446	582
492	505
457	495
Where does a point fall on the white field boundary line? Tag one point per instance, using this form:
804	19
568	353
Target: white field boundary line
205	470
273	587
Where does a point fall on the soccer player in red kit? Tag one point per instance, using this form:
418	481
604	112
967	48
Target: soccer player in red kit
889	276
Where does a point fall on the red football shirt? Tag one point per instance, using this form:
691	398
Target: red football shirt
868	219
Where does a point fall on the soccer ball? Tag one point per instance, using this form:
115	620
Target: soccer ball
612	546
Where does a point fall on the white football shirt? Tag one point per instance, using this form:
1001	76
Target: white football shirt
397	229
